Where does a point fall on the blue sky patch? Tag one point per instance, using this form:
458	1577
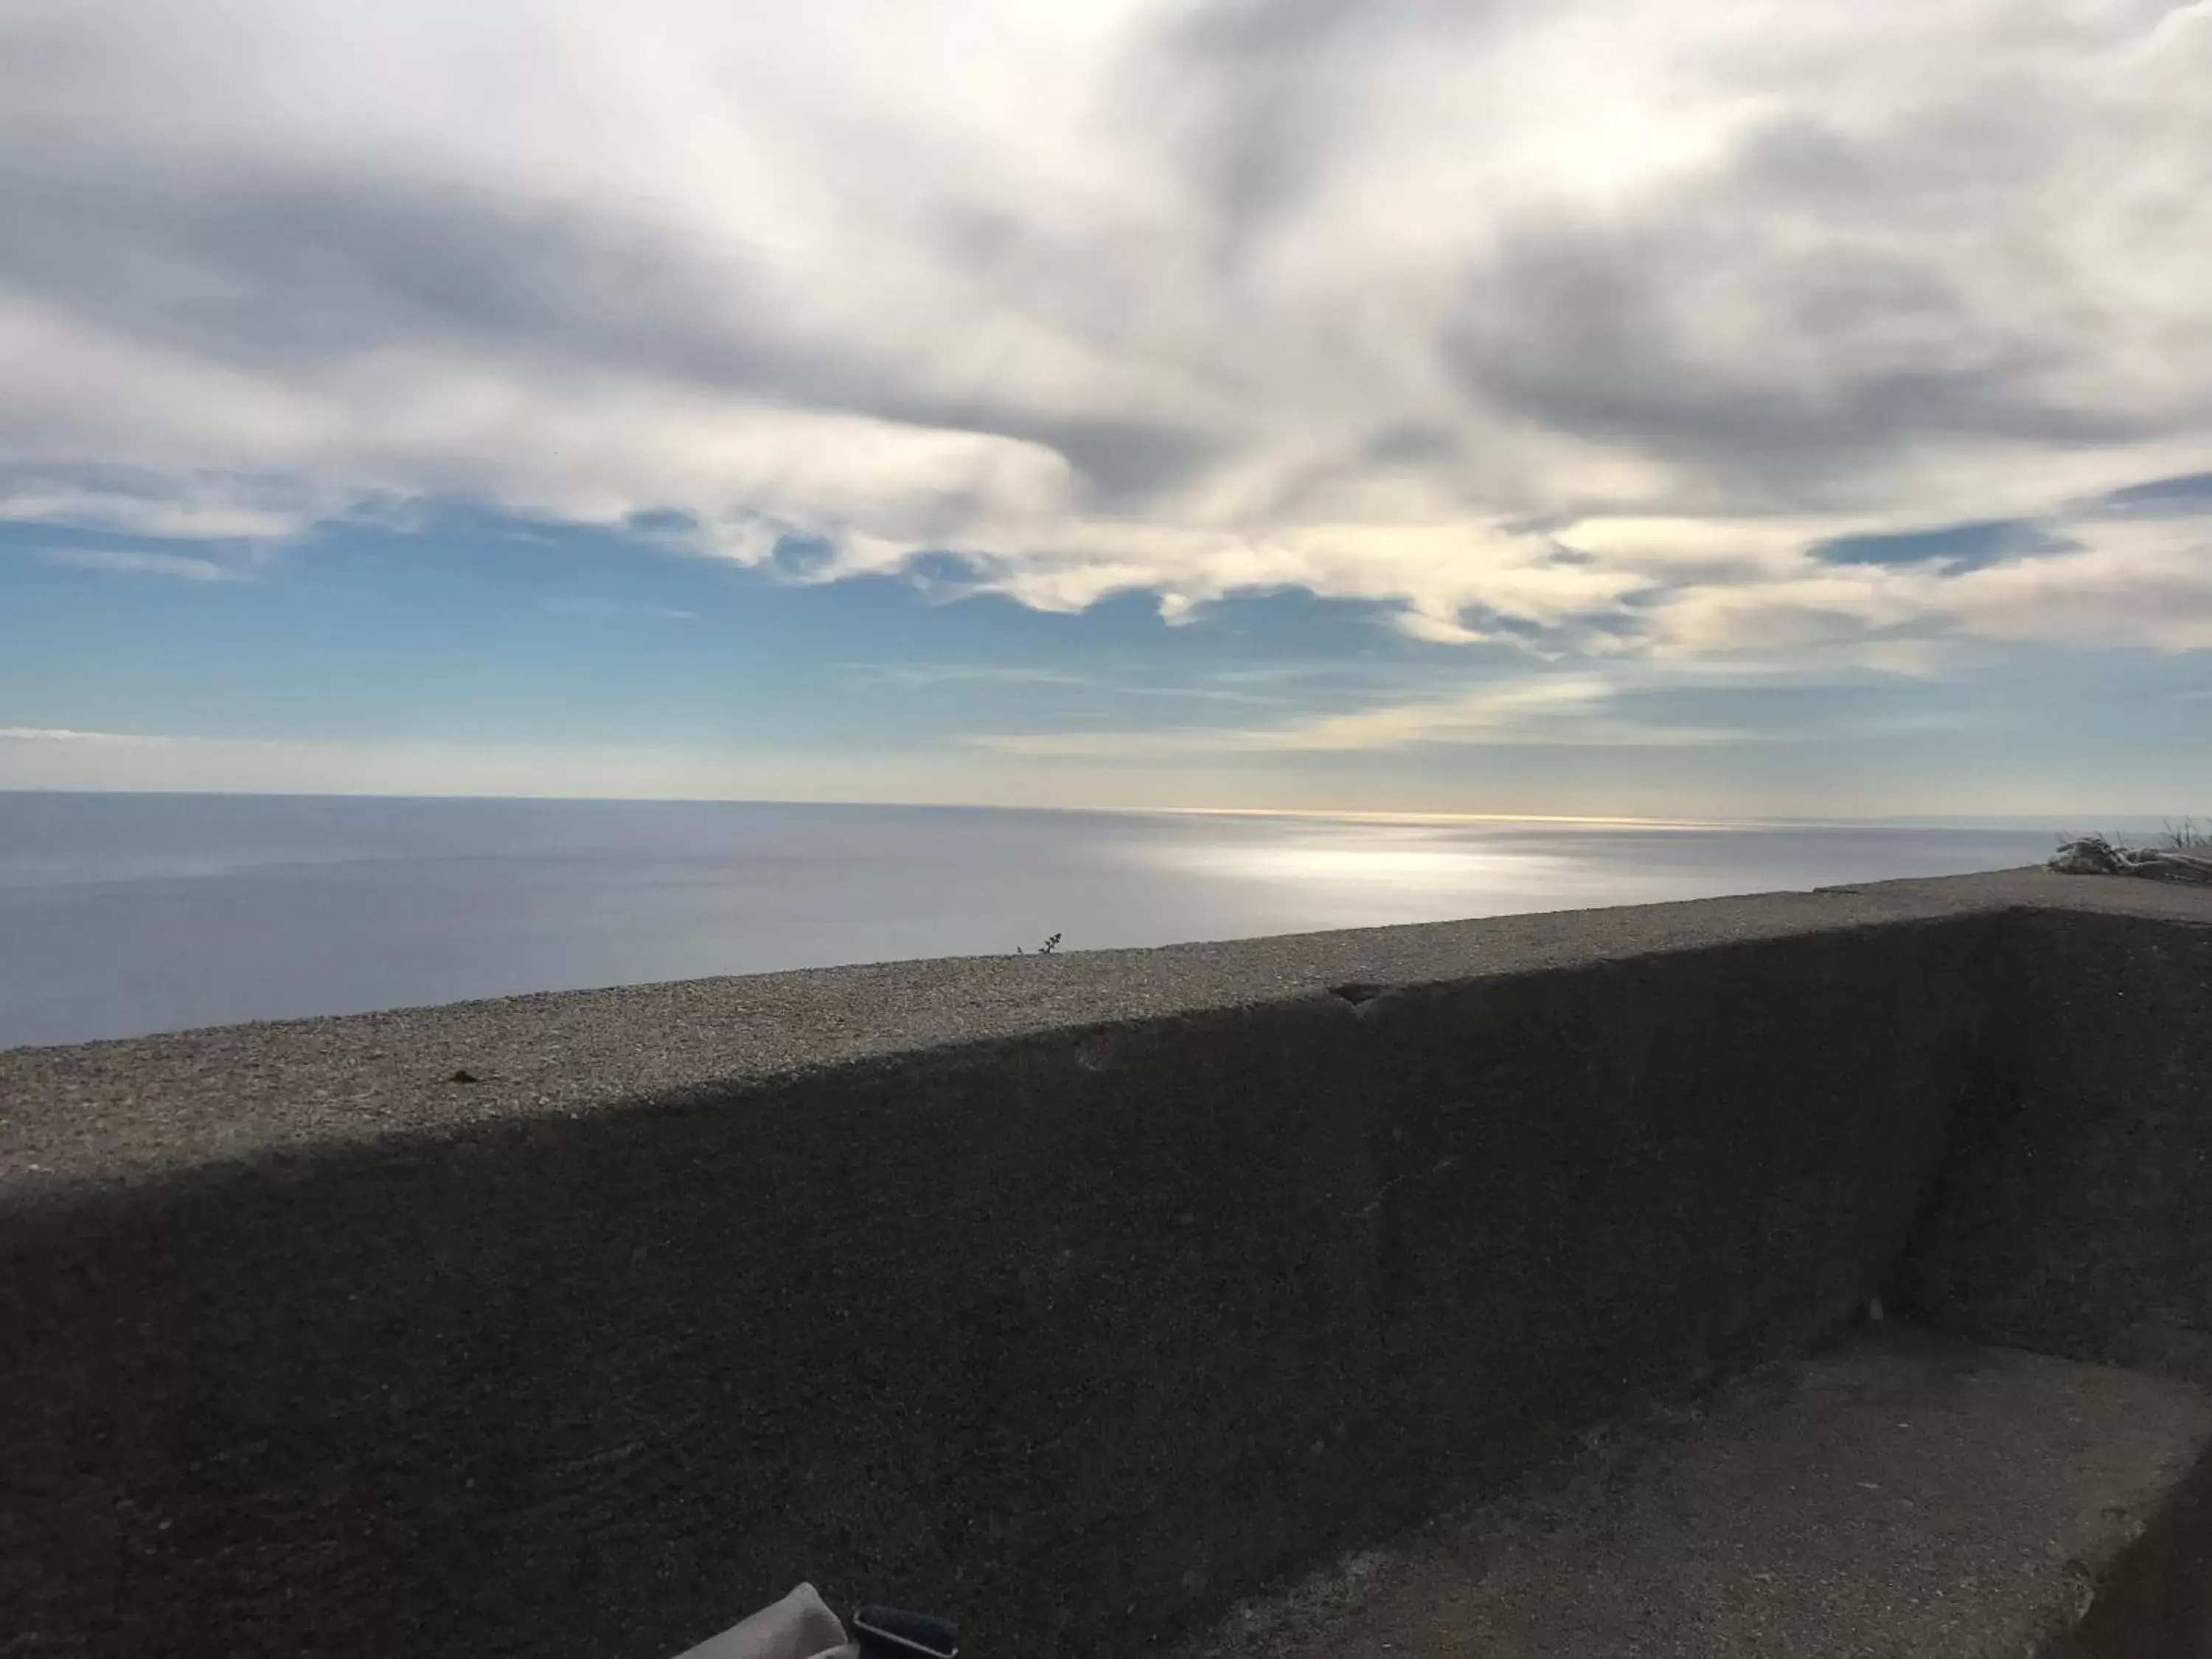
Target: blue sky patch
1950	548
2183	496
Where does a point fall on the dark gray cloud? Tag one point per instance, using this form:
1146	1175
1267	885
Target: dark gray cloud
287	270
1124	462
297	274
1261	95
1745	328
1259	82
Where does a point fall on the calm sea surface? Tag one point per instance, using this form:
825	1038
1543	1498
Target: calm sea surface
127	914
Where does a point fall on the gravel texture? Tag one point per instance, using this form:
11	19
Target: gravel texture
143	1107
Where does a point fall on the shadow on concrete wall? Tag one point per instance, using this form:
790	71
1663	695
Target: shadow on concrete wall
1083	1334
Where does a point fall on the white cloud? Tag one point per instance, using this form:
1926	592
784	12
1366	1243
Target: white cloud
617	608
1177	295
2147	583
200	510
2128	581
1638	778
178	566
40	758
913	674
1544	710
45	758
58	734
1219	686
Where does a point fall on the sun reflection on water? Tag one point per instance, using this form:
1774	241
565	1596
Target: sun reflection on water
1368	873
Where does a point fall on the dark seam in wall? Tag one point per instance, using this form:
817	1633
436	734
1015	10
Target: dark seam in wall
1991	1064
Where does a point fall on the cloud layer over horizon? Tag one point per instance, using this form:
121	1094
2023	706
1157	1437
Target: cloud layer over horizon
1626	356
1593	327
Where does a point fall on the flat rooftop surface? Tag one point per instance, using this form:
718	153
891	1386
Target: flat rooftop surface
143	1107
1900	1494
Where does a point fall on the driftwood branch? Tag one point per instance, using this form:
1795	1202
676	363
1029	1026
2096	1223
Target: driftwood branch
2093	856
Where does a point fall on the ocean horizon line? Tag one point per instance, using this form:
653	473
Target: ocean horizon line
2059	821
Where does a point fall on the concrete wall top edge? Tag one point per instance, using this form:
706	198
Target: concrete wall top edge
150	1107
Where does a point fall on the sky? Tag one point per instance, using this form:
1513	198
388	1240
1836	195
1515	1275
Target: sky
1682	407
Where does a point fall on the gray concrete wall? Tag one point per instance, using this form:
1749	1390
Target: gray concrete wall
2075	1215
1078	1328
2074	1212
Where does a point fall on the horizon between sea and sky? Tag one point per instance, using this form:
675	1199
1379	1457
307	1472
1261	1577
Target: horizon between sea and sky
125	913
1684	411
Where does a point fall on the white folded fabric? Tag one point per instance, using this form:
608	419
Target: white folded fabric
800	1627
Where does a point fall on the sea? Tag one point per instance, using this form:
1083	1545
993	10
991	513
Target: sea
126	913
